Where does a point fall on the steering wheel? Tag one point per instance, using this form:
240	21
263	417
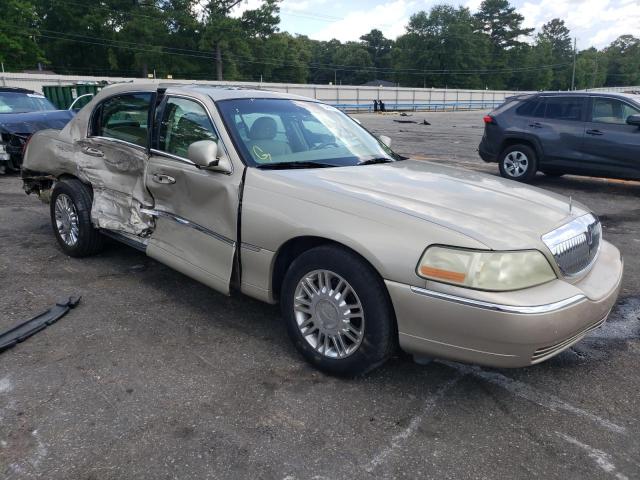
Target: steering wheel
322	145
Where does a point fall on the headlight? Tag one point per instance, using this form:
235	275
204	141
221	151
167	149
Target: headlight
485	270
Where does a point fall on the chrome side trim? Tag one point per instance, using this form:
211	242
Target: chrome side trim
190	224
251	247
130	240
526	310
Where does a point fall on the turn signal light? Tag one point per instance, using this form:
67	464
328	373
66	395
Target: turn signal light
442	274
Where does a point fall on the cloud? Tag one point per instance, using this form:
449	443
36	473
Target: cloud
390	17
594	22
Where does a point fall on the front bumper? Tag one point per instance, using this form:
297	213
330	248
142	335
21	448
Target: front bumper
507	329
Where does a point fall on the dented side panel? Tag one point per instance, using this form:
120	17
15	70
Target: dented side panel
114	169
117	178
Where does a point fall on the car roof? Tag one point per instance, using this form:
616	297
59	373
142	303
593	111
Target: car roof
586	93
215	92
15	90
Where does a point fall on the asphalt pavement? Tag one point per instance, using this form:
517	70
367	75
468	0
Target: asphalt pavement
154	376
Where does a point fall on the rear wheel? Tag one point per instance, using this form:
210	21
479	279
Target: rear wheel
71	219
518	162
337	312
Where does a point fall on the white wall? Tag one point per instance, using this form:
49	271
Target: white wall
349	97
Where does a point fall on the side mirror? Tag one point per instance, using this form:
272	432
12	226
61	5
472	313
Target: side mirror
634	120
205	155
386	140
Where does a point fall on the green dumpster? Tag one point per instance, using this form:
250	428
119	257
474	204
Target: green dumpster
63	96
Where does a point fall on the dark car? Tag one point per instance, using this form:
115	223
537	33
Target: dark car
22	113
581	133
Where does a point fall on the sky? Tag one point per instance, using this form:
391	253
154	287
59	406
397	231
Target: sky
593	22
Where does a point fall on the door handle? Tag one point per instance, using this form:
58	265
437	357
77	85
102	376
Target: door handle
535	125
163	179
594	132
94	152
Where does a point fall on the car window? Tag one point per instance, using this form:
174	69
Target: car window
610	110
16	102
184	122
126	117
295	131
532	108
564	108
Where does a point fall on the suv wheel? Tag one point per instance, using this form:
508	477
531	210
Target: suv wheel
518	162
337	312
71	219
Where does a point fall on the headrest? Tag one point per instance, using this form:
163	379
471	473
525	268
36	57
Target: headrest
264	128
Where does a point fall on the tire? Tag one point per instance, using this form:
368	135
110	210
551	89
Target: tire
550	173
518	162
70	211
353	353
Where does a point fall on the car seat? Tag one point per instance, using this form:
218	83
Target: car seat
262	143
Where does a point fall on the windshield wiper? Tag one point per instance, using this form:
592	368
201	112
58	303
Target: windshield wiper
372	161
287	165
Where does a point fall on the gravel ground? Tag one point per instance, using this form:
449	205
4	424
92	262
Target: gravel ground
154	376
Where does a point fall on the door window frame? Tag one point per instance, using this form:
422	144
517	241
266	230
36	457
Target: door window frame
159	115
97	113
583	115
591	105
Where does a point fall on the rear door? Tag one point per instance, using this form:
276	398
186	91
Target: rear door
611	146
113	158
561	130
196	210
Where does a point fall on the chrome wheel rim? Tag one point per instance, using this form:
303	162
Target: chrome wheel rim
329	314
67	220
516	163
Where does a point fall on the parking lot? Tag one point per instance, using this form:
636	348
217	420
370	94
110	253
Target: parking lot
156	376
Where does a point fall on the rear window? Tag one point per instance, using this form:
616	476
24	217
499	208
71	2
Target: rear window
16	102
532	108
565	108
509	102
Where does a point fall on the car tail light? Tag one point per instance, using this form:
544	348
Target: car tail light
489	119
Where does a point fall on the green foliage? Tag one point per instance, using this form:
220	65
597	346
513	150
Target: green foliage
202	39
18	48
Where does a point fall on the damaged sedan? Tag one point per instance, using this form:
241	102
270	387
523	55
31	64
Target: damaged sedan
23	112
290	201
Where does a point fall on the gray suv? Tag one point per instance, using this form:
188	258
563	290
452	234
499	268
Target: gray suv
595	134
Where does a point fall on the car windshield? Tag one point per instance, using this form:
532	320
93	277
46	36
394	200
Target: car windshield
14	102
299	134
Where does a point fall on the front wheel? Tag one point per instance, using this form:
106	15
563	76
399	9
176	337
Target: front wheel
71	219
337	312
518	162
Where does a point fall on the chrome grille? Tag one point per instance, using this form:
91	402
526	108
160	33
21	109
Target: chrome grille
576	244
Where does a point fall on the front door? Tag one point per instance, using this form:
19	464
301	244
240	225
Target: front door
196	209
611	146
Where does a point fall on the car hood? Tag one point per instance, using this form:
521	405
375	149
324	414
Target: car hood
501	214
26	123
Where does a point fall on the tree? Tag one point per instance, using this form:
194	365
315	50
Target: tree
591	69
379	49
499	20
556	37
223	32
440	48
623	57
18	44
